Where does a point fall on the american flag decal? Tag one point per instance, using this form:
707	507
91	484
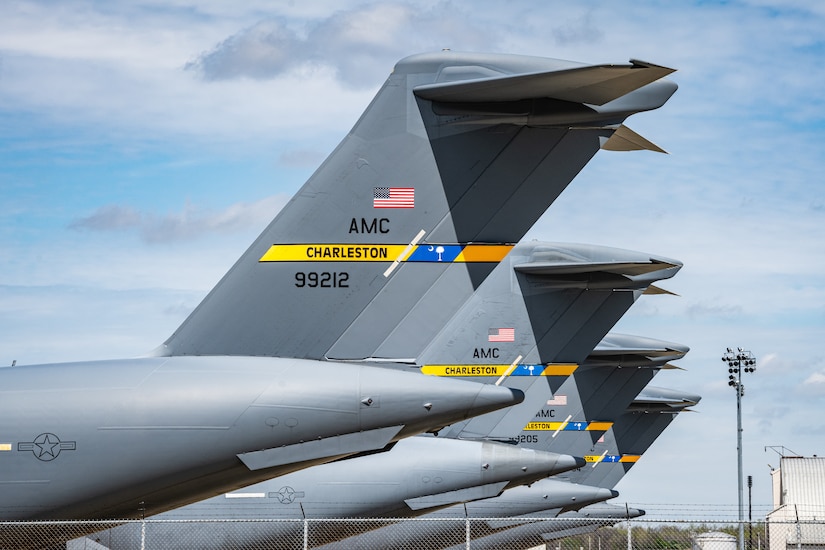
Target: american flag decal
393	197
501	335
557	400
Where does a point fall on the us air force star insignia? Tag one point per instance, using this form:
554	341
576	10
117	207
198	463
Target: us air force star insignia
287	495
47	446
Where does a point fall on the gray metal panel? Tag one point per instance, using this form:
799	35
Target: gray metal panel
499	204
460	495
803	480
352	443
403	318
516	185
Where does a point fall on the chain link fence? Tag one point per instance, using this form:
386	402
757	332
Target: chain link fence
414	534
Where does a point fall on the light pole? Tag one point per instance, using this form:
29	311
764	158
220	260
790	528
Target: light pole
739	361
750	525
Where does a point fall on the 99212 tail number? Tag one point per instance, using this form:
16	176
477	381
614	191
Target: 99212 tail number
323	279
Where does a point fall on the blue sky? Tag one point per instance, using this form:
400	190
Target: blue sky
143	146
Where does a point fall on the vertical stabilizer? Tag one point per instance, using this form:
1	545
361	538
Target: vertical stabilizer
415	207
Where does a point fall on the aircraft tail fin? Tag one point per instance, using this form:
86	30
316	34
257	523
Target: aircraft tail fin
632	434
539	298
548	305
582	415
416	206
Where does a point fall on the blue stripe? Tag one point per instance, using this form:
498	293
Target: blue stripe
435	253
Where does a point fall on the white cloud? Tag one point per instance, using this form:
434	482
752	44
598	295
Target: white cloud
109	218
358	44
191	223
265	50
815	378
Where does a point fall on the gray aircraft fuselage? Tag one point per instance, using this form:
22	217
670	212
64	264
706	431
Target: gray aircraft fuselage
419	474
118	439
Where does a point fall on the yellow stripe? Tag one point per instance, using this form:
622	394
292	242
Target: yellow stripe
406	253
343	252
624	458
465	370
484	253
559	369
543	426
5	446
599	426
552	426
333	252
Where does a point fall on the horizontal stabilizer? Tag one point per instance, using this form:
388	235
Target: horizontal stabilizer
656	399
593	85
454	497
625	139
640	352
625	344
624	350
619	268
336	446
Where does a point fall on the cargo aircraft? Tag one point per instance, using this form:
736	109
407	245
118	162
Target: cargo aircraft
425	473
611	445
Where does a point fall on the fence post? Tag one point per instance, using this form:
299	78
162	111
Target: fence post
306	534
467	532
629	535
